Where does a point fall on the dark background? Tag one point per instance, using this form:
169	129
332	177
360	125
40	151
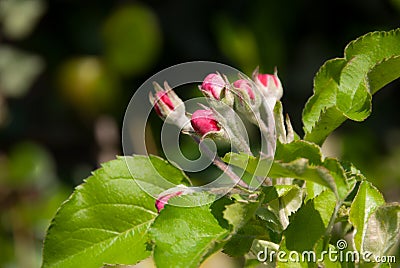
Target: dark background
85	59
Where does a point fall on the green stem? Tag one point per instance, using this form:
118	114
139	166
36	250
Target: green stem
332	222
221	164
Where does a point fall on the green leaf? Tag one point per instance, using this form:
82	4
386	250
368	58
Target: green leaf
330	119
309	223
367	200
343	87
184	236
106	219
239	213
271	219
291	258
241	242
283	200
302	170
298	169
300	160
298	149
260	254
352	173
277	191
253	165
313	190
286	152
283	207
326	84
343	185
327	262
353	97
383	73
383	230
279	122
244	228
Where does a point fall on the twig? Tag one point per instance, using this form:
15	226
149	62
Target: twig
221	164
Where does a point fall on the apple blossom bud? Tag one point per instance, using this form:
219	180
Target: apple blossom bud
212	85
266	80
204	122
163	199
248	99
163	98
178	190
169	106
270	86
245	87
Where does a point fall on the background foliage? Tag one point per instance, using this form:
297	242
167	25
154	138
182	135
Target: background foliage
69	68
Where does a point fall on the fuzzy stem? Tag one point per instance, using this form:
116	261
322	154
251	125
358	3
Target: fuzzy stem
221	164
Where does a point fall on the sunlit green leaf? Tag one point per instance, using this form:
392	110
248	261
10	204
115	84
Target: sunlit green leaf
254	165
261	254
343	87
301	169
106	219
309	223
283	207
238	213
327	261
298	149
383	229
277	191
184	236
367	200
289	258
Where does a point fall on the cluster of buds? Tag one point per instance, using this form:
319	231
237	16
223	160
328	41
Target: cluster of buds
243	95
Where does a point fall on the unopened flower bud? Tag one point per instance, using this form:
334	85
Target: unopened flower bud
212	85
169	106
245	89
204	122
162	200
165	102
248	99
163	197
270	86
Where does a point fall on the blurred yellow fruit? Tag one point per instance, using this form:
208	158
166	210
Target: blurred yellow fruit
88	85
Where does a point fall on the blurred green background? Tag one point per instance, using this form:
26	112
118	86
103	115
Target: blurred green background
69	68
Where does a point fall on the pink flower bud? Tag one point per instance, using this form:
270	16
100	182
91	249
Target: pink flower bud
266	80
165	101
162	96
212	85
162	200
204	122
244	86
270	86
